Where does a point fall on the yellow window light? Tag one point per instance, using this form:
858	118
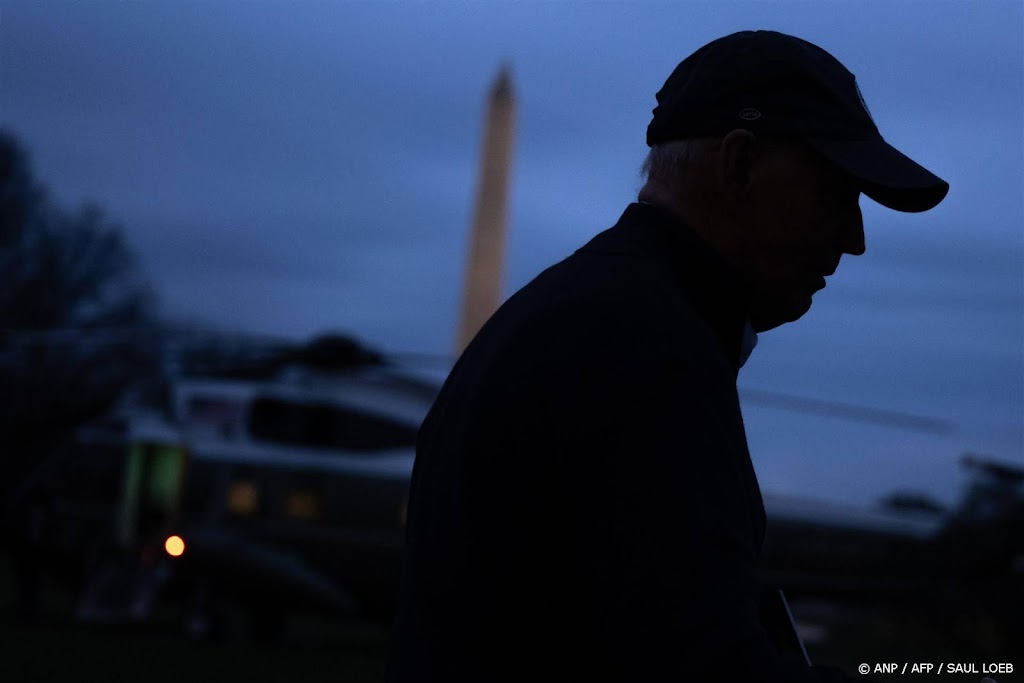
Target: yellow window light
175	546
243	498
302	505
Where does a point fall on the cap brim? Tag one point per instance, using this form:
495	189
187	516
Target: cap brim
890	177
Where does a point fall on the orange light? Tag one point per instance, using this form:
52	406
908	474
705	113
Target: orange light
302	504
174	545
243	498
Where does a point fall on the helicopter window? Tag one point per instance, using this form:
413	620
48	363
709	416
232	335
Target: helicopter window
302	505
326	426
243	498
214	415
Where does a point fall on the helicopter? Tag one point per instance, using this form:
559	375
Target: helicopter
279	487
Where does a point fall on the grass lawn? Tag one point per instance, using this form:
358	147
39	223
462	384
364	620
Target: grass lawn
58	650
849	636
66	653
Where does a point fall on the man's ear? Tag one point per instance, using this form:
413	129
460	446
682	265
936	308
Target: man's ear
736	156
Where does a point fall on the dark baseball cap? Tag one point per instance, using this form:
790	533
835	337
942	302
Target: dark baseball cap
780	86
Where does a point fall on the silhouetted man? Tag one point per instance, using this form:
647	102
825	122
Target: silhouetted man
583	505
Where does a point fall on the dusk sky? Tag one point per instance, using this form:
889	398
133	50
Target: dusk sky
288	168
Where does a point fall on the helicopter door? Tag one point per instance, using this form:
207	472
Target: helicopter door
152	487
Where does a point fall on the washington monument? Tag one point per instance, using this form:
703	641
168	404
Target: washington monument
485	268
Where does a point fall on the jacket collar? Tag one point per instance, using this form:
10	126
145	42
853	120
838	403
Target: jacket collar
714	288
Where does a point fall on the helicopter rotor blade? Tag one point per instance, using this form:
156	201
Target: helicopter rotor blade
848	411
770	399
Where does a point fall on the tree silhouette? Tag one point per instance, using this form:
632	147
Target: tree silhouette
66	279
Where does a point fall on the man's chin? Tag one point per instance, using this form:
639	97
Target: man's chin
766	316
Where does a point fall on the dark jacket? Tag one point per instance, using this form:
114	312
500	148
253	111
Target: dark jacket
583	505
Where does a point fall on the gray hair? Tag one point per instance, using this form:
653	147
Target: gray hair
670	162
